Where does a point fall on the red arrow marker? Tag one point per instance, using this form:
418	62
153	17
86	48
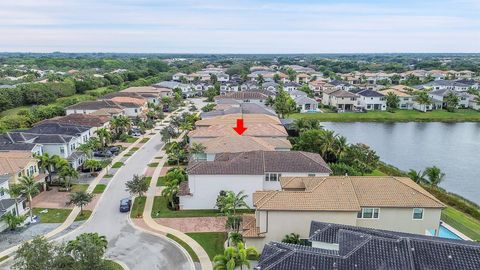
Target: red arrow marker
240	129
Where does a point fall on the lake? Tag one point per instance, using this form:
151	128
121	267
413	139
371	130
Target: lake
453	147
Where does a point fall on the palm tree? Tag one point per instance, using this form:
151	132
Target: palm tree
86	148
233	257
104	136
92	164
269	101
46	163
166	135
340	147
328	138
186	126
170	190
300	125
292	238
423	99
79	198
197	149
417	176
234	201
68	173
12	220
15	192
434	175
120	125
29	189
260	79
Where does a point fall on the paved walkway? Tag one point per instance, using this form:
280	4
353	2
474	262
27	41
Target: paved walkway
55	199
205	262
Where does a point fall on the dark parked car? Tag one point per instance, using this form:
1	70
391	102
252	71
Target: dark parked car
114	149
125	205
102	153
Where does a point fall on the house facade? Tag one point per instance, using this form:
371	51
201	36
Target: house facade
388	203
245	171
341	99
372	100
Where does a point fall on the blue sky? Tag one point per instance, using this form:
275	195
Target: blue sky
243	26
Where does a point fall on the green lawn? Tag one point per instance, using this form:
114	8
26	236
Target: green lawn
108	176
131	139
111	265
153	164
461	115
4	258
79	187
14	111
55	215
212	242
376	173
160	210
185	246
144	140
99	188
462	222
149	179
137	207
161	181
117	165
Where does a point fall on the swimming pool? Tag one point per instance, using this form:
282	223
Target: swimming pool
446	233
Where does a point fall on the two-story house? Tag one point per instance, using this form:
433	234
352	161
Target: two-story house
341	99
372	100
88	107
245	171
385	202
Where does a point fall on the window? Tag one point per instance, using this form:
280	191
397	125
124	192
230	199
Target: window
311	174
417	213
272	177
368	213
62	150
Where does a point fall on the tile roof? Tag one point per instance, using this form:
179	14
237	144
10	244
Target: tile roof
259	162
88	120
57	129
344	193
236	144
243	95
363	248
241	108
11	162
231	119
395	92
369	93
256	130
130	101
343	94
95	105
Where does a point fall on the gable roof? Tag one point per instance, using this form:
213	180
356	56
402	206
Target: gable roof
369	93
243	95
12	162
236	144
87	120
253	129
95	105
344	193
384	250
57	129
259	162
342	94
231	119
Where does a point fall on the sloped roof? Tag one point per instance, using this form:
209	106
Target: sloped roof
369	93
345	193
384	250
231	119
243	95
236	144
259	162
95	105
11	162
56	128
88	120
256	130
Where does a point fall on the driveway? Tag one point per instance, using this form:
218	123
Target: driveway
137	249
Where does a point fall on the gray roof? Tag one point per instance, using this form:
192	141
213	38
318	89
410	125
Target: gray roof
444	92
338	82
305	100
246	108
259	162
5	204
370	93
10	145
95	105
343	94
294	84
446	83
384	250
57	128
242	95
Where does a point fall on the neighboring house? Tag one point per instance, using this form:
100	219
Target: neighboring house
241	108
474	102
270	86
88	107
185	88
92	121
245	171
372	100
237	144
406	100
178	76
306	104
244	97
152	94
340	99
291	86
7	204
446	85
263	130
342	85
438	97
337	246
15	164
302	78
56	139
388	203
231	119
134	107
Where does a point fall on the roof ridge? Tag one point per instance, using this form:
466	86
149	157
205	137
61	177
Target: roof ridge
418	191
271	194
354	190
324	179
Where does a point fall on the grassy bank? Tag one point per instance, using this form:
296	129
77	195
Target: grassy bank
462	222
461	115
212	242
137	207
160	210
55	215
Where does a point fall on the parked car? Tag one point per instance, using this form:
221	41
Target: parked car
125	205
106	153
114	150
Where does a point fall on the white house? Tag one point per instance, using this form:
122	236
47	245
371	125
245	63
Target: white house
88	107
7	204
306	104
340	99
178	76
405	99
245	171
439	95
372	100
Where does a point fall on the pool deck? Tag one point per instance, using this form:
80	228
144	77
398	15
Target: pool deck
455	231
